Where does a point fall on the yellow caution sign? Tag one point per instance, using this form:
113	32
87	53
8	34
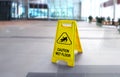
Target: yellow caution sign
66	42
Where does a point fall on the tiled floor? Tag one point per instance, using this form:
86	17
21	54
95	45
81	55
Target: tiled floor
26	49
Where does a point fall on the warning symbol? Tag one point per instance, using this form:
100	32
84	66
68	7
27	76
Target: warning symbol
64	39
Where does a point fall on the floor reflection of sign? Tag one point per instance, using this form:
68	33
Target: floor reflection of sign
64	39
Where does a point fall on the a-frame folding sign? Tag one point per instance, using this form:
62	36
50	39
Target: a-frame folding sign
66	42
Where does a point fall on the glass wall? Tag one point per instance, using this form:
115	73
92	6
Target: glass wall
51	9
62	9
21	11
38	13
37	9
59	9
14	10
46	9
17	10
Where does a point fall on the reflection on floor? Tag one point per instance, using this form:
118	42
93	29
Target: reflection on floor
26	49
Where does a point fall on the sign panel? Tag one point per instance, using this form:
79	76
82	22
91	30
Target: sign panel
66	41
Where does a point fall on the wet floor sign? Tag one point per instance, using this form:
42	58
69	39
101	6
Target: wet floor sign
66	42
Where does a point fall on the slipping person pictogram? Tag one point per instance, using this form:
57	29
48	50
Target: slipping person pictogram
64	39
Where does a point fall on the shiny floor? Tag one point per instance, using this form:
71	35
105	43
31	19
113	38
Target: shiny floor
26	49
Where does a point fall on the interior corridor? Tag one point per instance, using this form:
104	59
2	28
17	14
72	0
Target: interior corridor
26	48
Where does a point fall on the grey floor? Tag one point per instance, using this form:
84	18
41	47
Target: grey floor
26	49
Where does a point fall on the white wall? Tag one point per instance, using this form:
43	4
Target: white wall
117	11
112	11
90	7
86	8
107	11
